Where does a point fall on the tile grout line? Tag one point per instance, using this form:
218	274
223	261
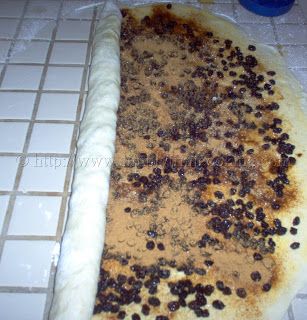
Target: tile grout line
32	193
57	65
35	154
29	237
278	45
69	172
39	64
11	203
42	91
234	11
32	290
39	121
62	18
46	40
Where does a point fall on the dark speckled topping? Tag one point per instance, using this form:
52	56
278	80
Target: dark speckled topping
201	180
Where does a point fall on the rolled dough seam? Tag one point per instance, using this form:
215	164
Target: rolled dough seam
82	244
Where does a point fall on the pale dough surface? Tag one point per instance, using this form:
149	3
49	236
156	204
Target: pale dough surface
82	244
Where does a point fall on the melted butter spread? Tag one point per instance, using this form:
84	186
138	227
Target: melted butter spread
200	178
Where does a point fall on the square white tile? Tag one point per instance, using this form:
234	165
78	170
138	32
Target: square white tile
43	174
7	175
8	27
4	200
73	30
51	138
36	29
263	33
22	77
244	15
20	266
16	105
63	78
68	53
15	134
57	106
42	9
221	8
11	8
30	306
35	216
296	56
70	9
291	34
299	307
32	52
4	48
295	15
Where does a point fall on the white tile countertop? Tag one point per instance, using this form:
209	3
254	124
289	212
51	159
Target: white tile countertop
44	59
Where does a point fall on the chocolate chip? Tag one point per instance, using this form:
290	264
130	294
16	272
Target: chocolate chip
202	313
218	304
219	194
173	306
293	231
275	206
169	6
220	285
183	149
208	263
145	309
241	292
150	245
114	308
257	256
128	209
296	221
227	291
160	246
256	276
295	245
152	233
266	287
251	48
162	317
154	301
164	273
208	290
135	316
121	315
